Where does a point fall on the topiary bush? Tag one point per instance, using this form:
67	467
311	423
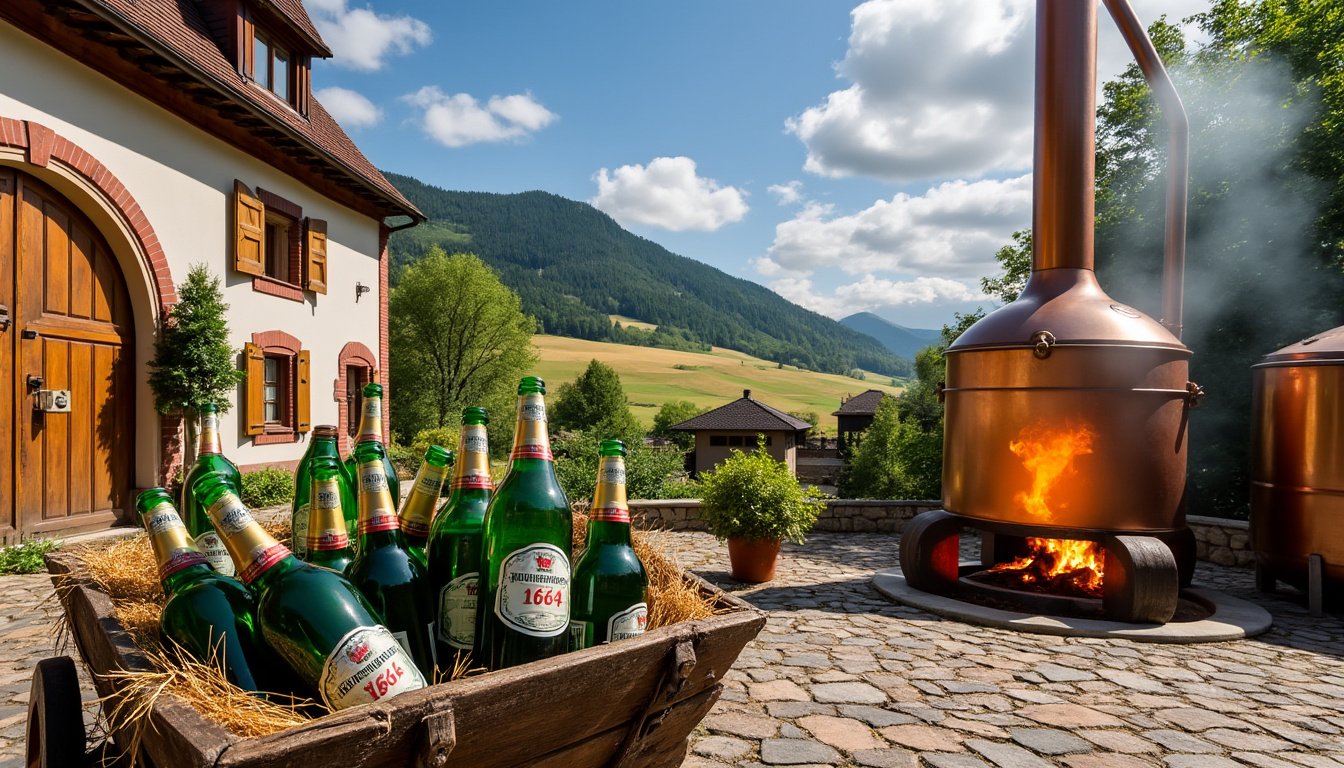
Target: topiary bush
268	487
444	436
755	496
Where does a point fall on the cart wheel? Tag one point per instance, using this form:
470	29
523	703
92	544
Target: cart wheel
55	720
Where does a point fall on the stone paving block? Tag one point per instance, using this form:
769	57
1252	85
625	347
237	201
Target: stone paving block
1313	761
1107	760
721	747
1006	755
796	752
952	760
1180	741
886	758
1118	741
874	716
841	732
777	690
1261	760
847	693
1068	716
1049	741
1200	761
1192	719
923	738
742	725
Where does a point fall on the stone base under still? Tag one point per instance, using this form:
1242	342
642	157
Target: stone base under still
1231	618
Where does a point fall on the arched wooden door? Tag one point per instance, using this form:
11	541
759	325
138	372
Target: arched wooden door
70	329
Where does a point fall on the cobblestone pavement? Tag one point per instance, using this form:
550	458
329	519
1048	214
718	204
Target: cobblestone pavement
842	677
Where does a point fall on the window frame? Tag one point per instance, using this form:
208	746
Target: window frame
284	391
263	72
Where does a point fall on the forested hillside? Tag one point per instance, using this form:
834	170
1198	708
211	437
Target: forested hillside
573	266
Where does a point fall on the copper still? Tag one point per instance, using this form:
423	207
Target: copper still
1297	462
1065	358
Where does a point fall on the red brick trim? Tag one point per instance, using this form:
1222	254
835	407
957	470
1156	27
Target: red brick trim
353	353
383	233
43	145
277	341
276	438
274	202
272	287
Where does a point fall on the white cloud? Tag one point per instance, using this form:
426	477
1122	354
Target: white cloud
952	229
350	108
667	193
459	120
942	89
872	293
787	194
361	38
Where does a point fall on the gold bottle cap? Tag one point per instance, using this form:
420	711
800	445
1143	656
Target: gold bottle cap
473	460
609	504
172	544
376	512
530	439
253	550
326	521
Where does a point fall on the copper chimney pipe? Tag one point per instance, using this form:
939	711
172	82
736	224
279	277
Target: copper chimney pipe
1063	206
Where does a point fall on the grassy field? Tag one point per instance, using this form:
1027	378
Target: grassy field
654	376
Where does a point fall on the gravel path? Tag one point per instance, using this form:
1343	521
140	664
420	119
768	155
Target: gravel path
842	677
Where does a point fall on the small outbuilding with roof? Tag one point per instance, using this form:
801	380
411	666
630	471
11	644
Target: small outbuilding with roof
856	415
736	425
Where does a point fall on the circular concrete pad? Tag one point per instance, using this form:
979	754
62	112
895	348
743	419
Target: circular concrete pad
1232	618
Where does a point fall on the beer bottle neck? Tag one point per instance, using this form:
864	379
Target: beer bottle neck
371	420
325	447
418	509
609	502
530	438
254	551
378	525
174	551
472	470
326	518
209	442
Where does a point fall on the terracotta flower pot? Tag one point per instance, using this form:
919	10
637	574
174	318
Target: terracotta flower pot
753	560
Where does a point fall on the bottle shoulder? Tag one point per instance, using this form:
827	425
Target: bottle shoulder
610	560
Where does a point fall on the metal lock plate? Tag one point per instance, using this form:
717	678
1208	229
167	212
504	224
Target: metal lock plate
52	401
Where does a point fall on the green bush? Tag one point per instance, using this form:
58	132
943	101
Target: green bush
268	487
680	486
899	458
646	467
444	436
26	557
755	496
403	458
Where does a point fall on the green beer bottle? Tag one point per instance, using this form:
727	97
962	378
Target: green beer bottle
323	445
454	549
211	617
328	541
371	434
312	617
418	511
523	613
392	580
209	458
610	585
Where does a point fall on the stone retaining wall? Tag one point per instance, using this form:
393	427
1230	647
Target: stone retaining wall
1217	540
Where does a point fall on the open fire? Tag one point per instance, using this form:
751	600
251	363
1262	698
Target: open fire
1055	566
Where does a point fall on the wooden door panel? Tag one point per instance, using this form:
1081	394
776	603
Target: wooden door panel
8	519
73	469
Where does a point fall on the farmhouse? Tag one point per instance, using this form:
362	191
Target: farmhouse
137	138
736	426
855	416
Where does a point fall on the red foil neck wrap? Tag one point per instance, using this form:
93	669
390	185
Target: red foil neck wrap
530	439
172	544
473	460
376	512
610	515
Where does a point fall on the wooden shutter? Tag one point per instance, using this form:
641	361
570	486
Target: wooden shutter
249	231
254	404
301	394
315	250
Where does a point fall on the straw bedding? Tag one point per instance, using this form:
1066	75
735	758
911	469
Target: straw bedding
126	571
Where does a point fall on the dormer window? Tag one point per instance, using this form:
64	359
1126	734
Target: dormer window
270	66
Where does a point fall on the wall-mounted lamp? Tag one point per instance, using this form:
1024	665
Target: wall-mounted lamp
360	290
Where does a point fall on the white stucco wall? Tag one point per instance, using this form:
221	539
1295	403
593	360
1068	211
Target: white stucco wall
183	179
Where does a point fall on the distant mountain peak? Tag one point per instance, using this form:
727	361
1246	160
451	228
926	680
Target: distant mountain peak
899	340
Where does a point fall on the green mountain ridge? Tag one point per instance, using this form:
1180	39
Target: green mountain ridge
898	339
574	267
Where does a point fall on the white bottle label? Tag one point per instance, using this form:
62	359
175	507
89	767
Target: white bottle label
213	548
628	623
457	611
533	593
299	541
367	665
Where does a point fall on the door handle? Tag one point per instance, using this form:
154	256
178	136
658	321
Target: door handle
4	318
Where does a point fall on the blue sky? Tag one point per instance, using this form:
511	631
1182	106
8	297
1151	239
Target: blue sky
849	156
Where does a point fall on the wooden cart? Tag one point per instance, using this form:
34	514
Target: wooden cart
632	703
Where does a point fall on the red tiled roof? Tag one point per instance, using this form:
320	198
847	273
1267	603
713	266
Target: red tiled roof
744	413
176	28
297	16
861	405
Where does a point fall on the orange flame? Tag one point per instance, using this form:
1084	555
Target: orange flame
1058	565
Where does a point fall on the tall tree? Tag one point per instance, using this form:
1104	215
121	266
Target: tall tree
458	337
672	413
595	402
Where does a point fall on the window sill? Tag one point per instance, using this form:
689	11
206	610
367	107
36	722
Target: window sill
272	287
276	435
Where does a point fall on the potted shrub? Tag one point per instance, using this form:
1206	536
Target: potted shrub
754	502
